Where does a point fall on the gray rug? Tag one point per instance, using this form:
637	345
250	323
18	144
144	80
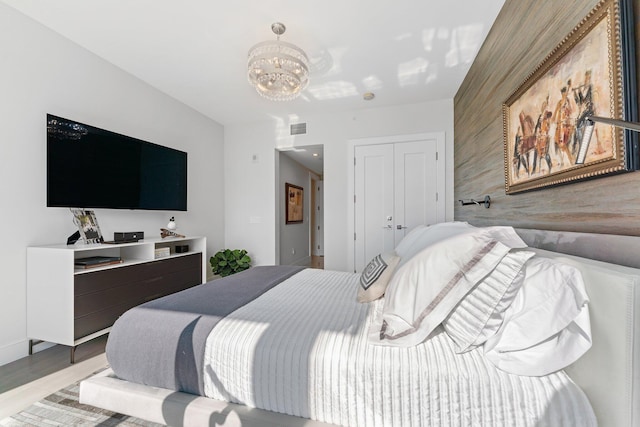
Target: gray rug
62	409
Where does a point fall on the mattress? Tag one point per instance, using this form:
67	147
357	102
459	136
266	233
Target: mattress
301	348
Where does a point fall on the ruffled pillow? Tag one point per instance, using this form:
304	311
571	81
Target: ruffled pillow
479	315
547	327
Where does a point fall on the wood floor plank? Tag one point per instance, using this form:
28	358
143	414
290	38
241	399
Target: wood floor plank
17	399
34	377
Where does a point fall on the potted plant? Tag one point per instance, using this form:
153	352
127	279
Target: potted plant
226	261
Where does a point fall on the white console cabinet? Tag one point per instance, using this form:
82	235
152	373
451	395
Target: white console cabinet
70	305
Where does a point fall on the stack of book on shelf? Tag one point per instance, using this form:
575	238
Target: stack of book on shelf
162	252
97	261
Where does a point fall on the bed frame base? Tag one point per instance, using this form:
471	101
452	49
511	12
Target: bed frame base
178	409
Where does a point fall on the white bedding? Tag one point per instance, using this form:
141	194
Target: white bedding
323	368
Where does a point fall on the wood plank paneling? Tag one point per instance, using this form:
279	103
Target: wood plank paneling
525	32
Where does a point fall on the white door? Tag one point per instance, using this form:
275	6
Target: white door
318	227
396	188
373	202
415	186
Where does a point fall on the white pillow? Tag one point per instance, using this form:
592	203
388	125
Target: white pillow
505	235
409	240
547	327
479	314
375	277
425	290
422	237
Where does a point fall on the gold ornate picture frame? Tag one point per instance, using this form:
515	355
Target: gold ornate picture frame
590	73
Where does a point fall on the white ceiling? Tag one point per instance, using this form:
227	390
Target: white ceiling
309	156
405	51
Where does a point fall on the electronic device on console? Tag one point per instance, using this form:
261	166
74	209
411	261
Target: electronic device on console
128	236
125	237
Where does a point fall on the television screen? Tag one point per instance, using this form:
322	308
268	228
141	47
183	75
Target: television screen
89	167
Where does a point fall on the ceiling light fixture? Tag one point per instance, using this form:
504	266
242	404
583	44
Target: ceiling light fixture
279	71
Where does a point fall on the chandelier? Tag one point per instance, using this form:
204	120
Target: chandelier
279	71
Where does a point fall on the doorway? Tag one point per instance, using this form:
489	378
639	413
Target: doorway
317	223
398	183
301	242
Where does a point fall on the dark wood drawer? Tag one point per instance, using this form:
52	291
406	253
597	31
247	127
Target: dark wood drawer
135	293
106	279
103	296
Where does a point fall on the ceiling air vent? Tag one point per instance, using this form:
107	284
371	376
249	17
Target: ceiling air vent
299	129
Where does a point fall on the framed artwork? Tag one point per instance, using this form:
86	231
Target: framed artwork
294	196
87	225
590	73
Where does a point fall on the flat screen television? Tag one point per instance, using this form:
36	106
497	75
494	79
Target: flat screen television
89	167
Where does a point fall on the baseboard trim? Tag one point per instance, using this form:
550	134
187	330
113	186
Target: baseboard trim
18	350
14	351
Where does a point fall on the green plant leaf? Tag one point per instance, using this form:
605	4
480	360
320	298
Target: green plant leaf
226	261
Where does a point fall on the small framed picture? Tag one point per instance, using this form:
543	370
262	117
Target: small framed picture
87	225
294	197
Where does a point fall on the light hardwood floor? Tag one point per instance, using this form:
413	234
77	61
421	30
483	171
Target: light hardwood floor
317	262
34	377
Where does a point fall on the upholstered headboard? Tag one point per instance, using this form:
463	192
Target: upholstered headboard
609	373
621	250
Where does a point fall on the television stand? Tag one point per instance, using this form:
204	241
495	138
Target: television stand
70	305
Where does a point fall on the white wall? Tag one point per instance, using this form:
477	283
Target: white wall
294	238
250	185
44	73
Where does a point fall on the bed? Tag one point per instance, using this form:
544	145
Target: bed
309	380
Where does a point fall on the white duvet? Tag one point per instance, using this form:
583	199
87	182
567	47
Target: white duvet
301	349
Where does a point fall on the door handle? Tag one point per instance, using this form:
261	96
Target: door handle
387	227
400	227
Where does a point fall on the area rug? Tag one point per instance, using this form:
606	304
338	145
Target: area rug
63	409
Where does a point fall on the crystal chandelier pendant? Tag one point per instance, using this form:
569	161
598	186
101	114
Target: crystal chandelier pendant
278	70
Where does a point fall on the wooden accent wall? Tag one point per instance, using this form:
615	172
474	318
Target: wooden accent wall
524	33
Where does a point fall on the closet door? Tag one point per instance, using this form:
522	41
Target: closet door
373	200
396	188
318	224
415	186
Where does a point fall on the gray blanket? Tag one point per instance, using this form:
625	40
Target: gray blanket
161	343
